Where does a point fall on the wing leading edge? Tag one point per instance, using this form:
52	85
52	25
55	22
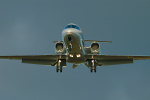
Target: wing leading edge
103	60
37	59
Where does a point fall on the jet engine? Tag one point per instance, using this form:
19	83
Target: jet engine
95	48
60	48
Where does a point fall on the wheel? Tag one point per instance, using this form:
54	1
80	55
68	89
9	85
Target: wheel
91	70
95	69
60	68
57	69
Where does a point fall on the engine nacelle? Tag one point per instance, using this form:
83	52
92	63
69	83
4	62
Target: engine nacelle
95	48
60	48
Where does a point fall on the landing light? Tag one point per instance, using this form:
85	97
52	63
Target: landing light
69	31
78	55
71	55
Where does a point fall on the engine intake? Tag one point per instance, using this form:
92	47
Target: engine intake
60	48
95	48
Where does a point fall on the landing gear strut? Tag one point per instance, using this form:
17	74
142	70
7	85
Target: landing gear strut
93	67
59	68
70	47
70	44
92	64
60	65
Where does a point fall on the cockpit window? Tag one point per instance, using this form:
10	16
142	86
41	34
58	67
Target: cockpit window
69	26
72	26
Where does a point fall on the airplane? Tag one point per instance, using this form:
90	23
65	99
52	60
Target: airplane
72	49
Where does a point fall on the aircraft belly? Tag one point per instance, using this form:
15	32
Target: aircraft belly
73	45
75	59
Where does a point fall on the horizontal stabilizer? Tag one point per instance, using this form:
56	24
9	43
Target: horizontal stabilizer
57	41
97	41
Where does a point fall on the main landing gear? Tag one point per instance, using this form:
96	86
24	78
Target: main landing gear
60	65
92	65
93	68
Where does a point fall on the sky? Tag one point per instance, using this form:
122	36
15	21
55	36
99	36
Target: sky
29	27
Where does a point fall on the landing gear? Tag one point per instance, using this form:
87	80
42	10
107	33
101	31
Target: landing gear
70	44
92	64
69	38
70	47
93	68
59	68
60	65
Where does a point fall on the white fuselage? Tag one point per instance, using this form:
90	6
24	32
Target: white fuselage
75	45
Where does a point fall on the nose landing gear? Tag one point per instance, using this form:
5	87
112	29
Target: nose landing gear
70	47
70	44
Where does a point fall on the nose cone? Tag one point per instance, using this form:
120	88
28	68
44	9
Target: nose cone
69	36
66	32
70	31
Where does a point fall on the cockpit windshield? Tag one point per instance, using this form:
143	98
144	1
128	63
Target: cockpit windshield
72	26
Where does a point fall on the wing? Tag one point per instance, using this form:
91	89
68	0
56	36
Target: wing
103	60
97	41
37	59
